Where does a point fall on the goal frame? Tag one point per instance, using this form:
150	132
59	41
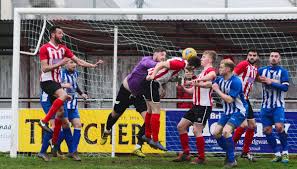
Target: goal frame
106	11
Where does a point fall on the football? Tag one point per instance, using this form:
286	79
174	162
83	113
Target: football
188	53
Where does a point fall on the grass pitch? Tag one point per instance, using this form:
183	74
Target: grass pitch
129	161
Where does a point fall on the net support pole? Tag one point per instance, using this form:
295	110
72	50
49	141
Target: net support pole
15	84
114	84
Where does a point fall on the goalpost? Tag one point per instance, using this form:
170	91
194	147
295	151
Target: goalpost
18	12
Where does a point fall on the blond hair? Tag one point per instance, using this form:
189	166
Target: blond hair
228	63
212	54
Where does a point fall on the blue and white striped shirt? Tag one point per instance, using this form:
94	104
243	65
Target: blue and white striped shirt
70	77
233	88
274	97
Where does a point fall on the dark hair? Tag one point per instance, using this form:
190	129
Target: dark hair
159	49
276	50
194	61
252	50
53	29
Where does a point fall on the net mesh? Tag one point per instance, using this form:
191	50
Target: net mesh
93	39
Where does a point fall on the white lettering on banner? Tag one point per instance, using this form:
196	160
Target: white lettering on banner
209	128
5	129
215	115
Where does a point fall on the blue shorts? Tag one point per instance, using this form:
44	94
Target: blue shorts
270	116
46	106
71	113
235	119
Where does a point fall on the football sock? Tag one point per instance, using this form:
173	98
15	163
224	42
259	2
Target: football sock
230	149
76	138
52	111
61	137
237	134
110	122
45	141
147	121
184	140
155	126
272	141
200	144
57	129
248	139
283	137
222	142
68	138
140	134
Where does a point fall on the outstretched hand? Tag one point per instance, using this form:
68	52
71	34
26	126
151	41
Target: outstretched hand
84	96
98	62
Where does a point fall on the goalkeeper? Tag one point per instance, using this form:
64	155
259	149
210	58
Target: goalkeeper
131	93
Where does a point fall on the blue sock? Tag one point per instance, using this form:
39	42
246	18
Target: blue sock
272	141
45	141
61	137
230	149
222	142
76	138
283	136
68	138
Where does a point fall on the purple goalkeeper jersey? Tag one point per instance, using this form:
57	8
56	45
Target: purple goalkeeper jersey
139	73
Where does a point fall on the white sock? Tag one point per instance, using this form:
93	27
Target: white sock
278	154
137	146
285	152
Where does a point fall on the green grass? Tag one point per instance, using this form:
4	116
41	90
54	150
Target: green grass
128	161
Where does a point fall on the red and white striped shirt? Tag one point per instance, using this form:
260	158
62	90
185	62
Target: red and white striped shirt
247	73
53	54
164	75
202	96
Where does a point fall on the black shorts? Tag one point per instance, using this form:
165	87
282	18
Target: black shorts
250	112
198	114
125	99
151	91
50	87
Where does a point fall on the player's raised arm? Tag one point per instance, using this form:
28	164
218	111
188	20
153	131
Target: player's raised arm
83	63
157	68
224	96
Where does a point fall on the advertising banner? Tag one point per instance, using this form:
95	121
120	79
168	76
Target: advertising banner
5	129
259	144
93	126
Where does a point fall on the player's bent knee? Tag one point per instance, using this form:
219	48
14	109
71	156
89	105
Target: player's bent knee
181	128
216	134
77	125
114	114
226	133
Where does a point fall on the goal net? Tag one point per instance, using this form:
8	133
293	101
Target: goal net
93	39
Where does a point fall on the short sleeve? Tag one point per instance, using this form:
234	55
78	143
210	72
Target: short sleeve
209	70
284	77
177	64
217	80
240	68
260	70
235	88
68	52
43	53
